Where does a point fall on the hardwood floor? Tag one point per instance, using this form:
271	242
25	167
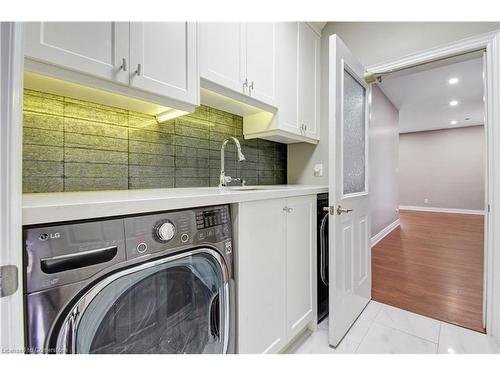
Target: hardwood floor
433	265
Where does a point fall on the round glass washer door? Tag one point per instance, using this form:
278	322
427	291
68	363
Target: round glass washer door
178	304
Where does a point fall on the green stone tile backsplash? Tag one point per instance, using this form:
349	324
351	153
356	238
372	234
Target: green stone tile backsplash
74	145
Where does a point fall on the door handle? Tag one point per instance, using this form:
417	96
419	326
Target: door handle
250	88
138	71
245	85
341	210
215	317
77	260
124	65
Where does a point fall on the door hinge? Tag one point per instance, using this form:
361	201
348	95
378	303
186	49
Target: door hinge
489	209
8	280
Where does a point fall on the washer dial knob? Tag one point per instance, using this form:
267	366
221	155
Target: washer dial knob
165	231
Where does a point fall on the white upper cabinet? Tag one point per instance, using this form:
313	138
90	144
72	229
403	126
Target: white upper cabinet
223	54
163	59
288	85
152	62
308	79
96	48
261	61
240	57
297	52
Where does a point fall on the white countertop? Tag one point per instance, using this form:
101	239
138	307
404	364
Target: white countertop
44	208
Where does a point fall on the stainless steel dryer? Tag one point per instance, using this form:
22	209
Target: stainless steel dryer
156	283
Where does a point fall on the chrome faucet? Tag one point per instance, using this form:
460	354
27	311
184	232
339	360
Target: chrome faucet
223	179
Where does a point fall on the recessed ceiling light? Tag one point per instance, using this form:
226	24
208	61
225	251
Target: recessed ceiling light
453	80
453	122
453	103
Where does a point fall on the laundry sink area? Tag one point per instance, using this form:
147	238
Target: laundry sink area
249	188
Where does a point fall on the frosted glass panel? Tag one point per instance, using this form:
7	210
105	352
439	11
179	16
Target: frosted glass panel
353	136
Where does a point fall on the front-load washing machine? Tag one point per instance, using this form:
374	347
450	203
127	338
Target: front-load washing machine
155	283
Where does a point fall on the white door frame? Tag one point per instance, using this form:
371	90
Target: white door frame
490	42
11	97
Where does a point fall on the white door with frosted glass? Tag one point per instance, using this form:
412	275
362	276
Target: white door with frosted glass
350	258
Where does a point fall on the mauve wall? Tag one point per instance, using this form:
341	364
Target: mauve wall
383	162
444	166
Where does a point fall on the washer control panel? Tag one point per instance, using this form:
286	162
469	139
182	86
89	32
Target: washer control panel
148	234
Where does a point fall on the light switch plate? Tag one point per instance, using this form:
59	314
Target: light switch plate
318	170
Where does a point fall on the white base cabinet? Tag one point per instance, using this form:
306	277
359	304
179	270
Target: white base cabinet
300	255
276	281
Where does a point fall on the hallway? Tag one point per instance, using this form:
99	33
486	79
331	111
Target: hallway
433	265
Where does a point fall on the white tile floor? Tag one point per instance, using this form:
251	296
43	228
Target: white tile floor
386	329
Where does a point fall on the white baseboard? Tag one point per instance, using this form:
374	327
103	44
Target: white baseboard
443	210
384	232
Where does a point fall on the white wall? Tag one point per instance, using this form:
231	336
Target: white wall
371	42
378	42
383	135
447	167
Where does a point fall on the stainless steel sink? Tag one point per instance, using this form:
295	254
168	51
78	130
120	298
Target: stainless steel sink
246	188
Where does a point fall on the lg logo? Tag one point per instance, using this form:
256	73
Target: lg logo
46	236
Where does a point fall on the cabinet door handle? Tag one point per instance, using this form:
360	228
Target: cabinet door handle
138	71
124	65
250	88
287	209
245	85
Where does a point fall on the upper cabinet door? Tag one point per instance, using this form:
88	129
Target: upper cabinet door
223	54
287	82
163	59
95	48
261	61
309	80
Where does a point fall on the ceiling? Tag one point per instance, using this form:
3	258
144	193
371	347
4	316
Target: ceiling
423	97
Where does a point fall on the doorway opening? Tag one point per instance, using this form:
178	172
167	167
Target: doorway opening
428	190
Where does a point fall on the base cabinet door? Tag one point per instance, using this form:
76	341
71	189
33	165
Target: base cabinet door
300	263
100	49
260	254
163	59
275	257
